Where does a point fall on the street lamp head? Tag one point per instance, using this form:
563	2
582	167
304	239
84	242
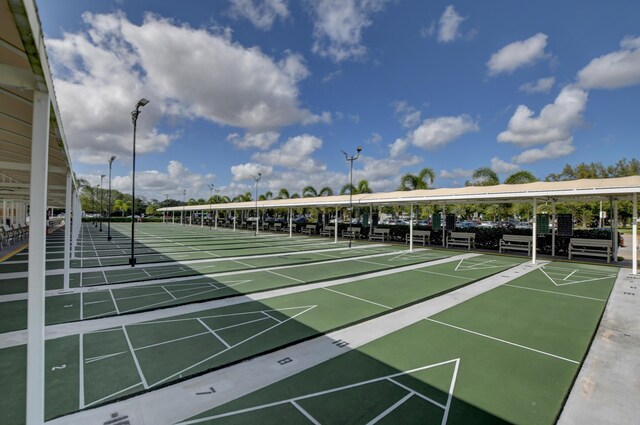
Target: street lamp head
113	158
359	149
102	176
142	102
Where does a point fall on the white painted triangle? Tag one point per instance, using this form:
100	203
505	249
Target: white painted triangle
390	378
468	264
563	279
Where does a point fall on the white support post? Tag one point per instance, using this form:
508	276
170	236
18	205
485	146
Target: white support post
411	230
290	223
36	261
553	228
257	221
370	218
215	224
173	217
614	233
234	220
201	218
4	213
335	224
67	231
634	236
77	220
534	232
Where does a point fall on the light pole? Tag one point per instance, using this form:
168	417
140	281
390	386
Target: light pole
351	159
257	179
184	202
102	176
211	186
93	201
134	119
109	202
166	204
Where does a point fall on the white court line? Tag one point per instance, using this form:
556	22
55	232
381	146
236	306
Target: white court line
170	294
570	274
112	395
114	301
157	344
390	409
443	274
555	293
135	358
287	277
245	264
271	317
357	298
305	413
214	333
451	388
424	397
503	341
106	356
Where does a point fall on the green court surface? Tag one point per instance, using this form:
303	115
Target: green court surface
122	361
507	356
308	269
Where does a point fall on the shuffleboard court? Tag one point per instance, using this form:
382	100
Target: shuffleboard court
507	356
129	359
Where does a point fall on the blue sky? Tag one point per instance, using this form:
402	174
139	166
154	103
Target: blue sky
280	87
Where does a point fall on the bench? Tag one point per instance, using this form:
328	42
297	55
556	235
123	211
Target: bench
276	227
328	231
422	236
6	237
351	232
590	247
309	229
285	228
379	234
265	226
465	239
516	243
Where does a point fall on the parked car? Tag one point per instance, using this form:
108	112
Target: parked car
488	224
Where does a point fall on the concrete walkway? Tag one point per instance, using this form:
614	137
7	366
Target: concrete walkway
181	401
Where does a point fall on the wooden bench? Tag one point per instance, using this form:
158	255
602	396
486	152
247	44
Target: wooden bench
590	247
516	243
422	236
285	228
6	238
379	234
276	227
465	239
309	229
351	232
328	231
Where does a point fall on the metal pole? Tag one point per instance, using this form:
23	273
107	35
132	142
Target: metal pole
411	230
109	202
134	118
351	159
257	179
335	227
102	176
614	231
553	229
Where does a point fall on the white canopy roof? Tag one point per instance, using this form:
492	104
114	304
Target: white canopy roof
620	188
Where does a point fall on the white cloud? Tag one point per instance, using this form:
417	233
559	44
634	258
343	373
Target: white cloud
246	171
261	13
518	54
408	115
375	138
398	147
154	183
614	70
426	32
250	140
552	150
542	85
295	153
436	132
554	124
449	25
339	25
502	167
456	173
102	72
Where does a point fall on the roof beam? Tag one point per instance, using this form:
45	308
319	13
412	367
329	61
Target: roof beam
21	166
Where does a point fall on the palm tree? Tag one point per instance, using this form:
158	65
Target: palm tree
348	188
309	192
521	177
266	196
485	176
363	187
283	194
122	206
423	180
326	191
